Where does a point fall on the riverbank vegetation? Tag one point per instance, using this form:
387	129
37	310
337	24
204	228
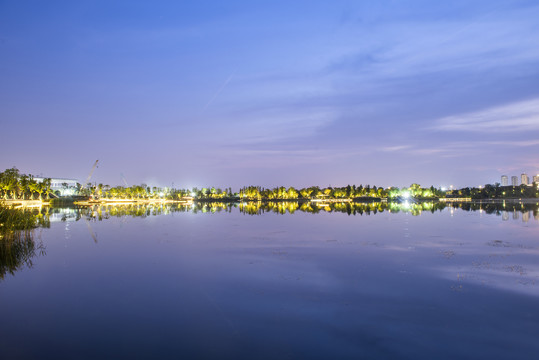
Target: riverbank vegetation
351	192
14	185
347	192
497	192
258	193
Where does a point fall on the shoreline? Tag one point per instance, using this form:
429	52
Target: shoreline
20	203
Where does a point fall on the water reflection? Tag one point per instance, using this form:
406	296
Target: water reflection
17	251
350	208
18	247
44	216
518	210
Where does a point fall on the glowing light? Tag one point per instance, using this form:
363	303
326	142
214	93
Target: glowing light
406	195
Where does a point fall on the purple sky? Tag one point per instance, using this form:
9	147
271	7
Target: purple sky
201	93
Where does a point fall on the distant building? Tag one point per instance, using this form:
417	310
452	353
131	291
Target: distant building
536	179
514	180
65	187
505	180
524	179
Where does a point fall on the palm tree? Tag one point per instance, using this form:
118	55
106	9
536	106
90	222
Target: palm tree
14	186
41	188
9	180
33	186
24	186
46	183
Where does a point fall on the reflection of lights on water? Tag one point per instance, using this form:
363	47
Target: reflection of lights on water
406	204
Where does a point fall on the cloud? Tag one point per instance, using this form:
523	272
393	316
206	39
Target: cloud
516	117
523	143
404	48
395	148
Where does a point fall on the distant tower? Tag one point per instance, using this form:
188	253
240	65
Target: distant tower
505	180
514	181
524	180
536	179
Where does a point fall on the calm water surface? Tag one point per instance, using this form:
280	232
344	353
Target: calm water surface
398	285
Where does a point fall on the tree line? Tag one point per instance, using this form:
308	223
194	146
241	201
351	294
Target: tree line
145	192
497	192
257	193
346	192
14	185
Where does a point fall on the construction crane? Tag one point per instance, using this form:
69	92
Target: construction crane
124	180
85	185
91	172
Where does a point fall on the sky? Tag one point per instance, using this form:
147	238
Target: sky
269	93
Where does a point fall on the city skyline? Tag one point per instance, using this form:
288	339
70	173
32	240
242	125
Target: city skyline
272	93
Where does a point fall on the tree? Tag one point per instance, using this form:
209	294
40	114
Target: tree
292	193
306	193
65	186
12	181
46	183
33	186
24	188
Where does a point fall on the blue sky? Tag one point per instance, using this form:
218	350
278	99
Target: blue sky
271	92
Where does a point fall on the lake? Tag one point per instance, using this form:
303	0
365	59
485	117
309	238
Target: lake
279	281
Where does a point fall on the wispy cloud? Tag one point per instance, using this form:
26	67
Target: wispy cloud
404	48
445	150
523	143
395	148
515	117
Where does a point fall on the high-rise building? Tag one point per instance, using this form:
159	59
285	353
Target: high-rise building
514	181
524	179
536	179
505	180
